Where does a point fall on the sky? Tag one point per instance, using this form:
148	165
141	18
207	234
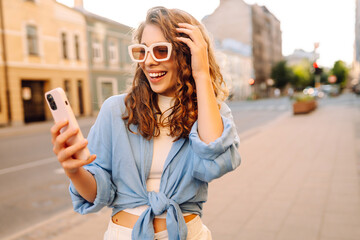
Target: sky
331	23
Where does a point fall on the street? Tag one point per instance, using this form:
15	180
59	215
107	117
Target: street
34	187
250	115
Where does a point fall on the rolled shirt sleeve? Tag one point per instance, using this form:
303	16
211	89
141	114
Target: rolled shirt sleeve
104	196
213	160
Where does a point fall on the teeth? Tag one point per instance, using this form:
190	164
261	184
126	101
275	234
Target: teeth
158	74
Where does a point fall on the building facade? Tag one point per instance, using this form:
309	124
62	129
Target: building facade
110	67
231	28
253	34
3	73
43	47
237	70
267	46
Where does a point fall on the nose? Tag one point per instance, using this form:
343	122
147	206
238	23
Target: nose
149	60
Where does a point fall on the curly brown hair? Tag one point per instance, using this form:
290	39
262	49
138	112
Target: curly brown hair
141	102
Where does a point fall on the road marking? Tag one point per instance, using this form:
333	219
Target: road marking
27	165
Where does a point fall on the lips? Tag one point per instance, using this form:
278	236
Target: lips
156	76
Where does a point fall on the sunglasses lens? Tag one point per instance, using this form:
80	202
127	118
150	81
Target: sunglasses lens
161	52
138	53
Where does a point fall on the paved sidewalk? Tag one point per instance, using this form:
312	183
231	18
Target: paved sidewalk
299	180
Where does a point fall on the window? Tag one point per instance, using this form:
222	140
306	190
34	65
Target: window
77	47
32	40
113	51
64	45
106	87
125	58
97	52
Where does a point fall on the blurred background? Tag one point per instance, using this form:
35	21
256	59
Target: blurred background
283	61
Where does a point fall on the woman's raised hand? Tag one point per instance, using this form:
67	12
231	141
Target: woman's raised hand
198	48
210	125
64	152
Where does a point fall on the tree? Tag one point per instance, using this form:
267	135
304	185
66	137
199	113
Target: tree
341	72
281	74
324	76
302	75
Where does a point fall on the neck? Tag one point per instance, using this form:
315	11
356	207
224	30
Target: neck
165	103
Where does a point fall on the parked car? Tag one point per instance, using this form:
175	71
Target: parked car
330	89
356	89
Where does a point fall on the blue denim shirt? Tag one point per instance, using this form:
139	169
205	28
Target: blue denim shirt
123	164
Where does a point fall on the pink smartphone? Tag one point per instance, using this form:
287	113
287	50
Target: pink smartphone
60	109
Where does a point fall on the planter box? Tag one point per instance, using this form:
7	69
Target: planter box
304	107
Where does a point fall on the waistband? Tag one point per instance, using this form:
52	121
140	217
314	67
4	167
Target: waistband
193	226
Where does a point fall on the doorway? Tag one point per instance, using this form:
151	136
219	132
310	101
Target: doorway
32	93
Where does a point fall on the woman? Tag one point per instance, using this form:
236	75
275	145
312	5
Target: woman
159	145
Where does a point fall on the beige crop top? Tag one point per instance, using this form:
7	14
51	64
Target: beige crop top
162	146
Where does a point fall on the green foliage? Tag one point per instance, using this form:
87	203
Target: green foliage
302	75
341	72
281	74
300	97
324	77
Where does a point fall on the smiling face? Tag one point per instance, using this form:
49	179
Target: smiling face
161	75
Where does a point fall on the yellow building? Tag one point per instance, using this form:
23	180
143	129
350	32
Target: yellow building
3	101
45	47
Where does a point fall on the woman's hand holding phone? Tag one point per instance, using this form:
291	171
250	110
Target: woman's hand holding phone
69	143
70	146
64	152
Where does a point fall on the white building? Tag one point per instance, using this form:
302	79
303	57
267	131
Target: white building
236	66
299	55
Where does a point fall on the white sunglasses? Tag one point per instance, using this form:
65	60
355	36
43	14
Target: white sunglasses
159	51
